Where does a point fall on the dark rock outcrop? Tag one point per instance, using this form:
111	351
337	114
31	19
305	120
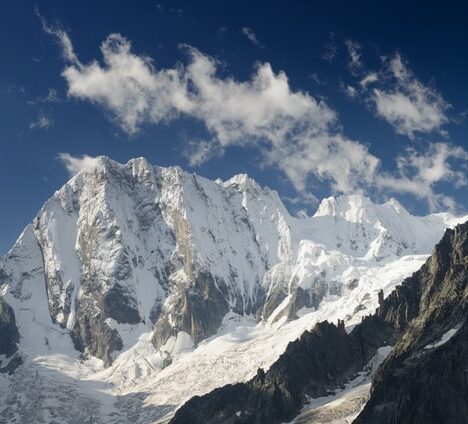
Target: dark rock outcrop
425	378
119	305
92	335
9	338
318	362
9	335
200	311
315	365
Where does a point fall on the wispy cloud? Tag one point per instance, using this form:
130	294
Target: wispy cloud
178	12
413	109
396	95
350	91
330	49
354	52
319	81
63	38
13	89
370	78
42	122
248	32
221	33
289	129
408	105
51	97
419	171
307	199
75	164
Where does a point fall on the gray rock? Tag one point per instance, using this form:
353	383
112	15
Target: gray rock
9	338
198	311
425	381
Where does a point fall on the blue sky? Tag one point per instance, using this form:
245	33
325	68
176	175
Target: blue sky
310	99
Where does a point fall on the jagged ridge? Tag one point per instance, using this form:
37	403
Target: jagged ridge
425	378
422	381
161	250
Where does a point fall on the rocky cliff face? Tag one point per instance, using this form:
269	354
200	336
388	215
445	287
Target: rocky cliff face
9	337
423	380
126	249
317	364
9	334
319	361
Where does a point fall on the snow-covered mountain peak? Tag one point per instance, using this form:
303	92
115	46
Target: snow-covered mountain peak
141	167
137	264
156	248
356	225
358	208
240	180
101	163
245	184
395	204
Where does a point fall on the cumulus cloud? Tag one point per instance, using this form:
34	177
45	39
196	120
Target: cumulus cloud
290	129
128	86
293	130
248	32
75	164
418	173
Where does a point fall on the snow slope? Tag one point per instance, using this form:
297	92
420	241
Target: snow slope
140	285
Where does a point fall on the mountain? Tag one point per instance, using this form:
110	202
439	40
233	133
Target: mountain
425	377
423	327
145	285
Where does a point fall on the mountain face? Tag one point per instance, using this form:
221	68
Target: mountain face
152	270
9	336
423	379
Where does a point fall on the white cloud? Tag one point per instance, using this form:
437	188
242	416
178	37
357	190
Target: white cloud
200	151
63	38
290	129
128	86
370	78
248	32
350	91
404	102
318	80
51	97
42	122
308	199
354	52
330	49
293	130
418	172
75	164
